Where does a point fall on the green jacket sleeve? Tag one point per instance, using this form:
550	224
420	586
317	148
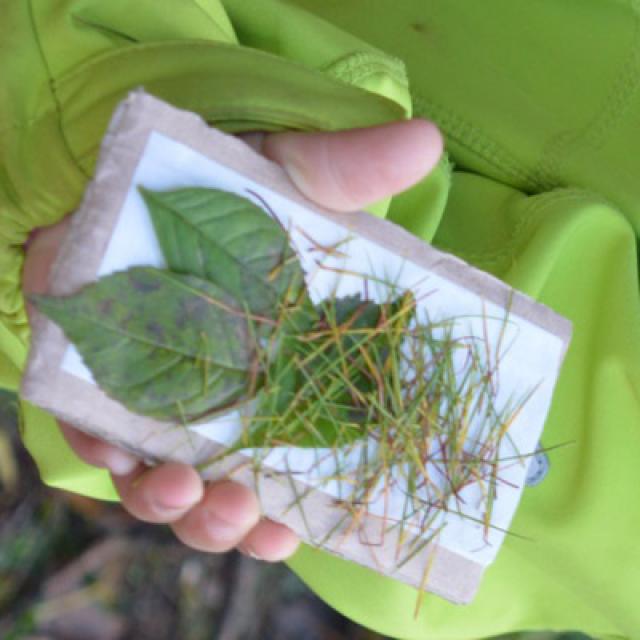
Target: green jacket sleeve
67	64
539	103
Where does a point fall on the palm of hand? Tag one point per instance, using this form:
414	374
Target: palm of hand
343	171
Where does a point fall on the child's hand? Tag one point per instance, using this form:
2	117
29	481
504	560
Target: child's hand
343	171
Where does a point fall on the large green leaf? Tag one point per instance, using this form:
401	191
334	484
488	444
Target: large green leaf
166	345
228	240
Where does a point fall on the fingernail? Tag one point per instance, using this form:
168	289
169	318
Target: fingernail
220	529
248	551
120	463
166	510
168	513
167	505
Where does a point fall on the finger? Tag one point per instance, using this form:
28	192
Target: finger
346	170
161	494
41	250
270	541
97	452
221	520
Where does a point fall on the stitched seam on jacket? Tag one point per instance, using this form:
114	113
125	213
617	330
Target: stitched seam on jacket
525	224
543	202
530	217
473	139
13	313
356	66
52	89
355	74
563	147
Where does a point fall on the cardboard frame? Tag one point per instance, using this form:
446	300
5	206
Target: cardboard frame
45	384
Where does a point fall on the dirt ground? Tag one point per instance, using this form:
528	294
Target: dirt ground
76	569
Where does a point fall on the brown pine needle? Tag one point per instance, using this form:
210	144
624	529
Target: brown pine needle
404	385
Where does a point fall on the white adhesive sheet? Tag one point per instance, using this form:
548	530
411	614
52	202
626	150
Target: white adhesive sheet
531	358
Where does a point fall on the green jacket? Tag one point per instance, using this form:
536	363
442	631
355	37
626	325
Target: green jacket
540	105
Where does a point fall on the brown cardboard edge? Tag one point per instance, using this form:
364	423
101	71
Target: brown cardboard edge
76	264
87	241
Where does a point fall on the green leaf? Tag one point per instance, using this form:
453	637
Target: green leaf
165	345
228	240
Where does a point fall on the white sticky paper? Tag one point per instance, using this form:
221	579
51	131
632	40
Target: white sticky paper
167	164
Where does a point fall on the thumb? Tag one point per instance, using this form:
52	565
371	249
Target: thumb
41	250
346	170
